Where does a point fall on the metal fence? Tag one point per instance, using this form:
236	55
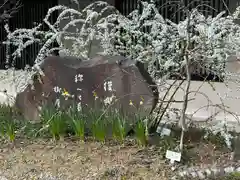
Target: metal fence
169	8
31	12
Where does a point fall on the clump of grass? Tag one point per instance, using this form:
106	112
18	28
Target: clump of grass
118	126
2	126
77	122
141	131
57	126
8	127
30	130
99	130
54	121
2	131
98	124
10	131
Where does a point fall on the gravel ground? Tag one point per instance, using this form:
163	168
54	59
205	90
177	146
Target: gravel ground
71	160
79	161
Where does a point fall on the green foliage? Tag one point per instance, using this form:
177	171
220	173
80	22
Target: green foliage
98	124
230	176
77	122
57	125
141	131
55	122
2	131
30	130
10	131
118	126
216	139
99	130
7	122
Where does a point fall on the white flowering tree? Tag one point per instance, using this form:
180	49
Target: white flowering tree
90	25
198	40
166	47
164	41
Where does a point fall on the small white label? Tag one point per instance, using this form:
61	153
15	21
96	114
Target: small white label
163	131
173	156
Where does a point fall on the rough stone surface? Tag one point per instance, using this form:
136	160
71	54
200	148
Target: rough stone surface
104	75
236	152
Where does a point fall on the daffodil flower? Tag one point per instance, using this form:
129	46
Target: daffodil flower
130	103
65	93
95	95
142	100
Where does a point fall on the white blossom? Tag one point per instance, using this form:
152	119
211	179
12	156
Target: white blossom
214	37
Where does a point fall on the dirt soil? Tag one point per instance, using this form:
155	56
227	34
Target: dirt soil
72	160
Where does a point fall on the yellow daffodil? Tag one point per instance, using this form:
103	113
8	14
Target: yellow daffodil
130	103
142	100
65	93
95	95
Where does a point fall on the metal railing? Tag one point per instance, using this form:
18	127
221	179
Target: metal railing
28	15
169	8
